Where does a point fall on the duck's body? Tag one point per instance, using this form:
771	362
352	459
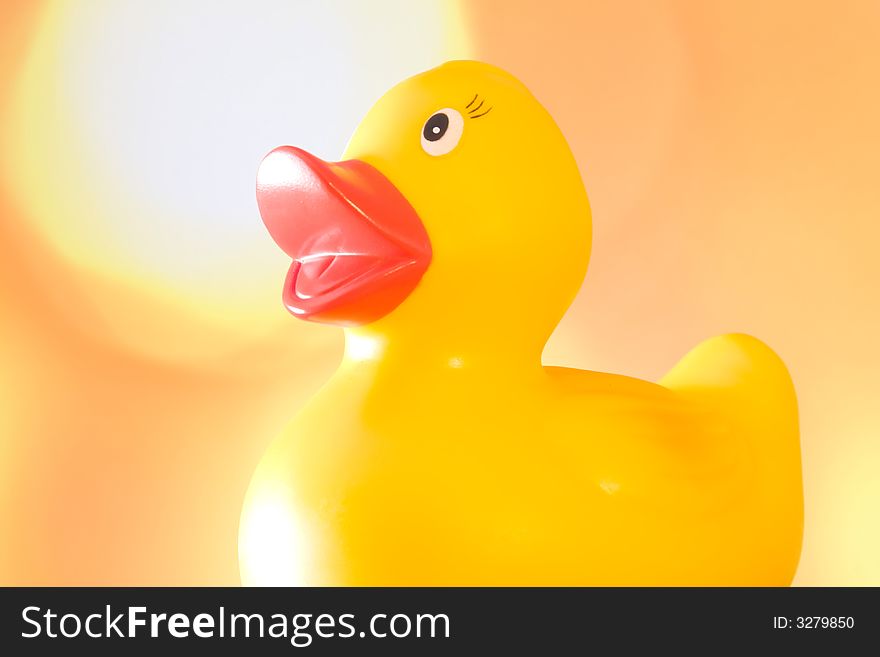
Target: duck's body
443	453
435	476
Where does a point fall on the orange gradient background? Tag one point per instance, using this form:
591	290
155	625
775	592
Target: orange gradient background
731	152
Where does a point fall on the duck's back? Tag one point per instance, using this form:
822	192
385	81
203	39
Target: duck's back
700	475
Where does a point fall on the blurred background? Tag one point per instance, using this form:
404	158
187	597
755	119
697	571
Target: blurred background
732	156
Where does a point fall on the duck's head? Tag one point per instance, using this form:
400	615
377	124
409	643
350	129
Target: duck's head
457	210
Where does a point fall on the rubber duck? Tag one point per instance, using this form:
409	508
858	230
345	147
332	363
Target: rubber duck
448	244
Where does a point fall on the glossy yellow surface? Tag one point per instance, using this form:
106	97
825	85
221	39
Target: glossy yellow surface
442	452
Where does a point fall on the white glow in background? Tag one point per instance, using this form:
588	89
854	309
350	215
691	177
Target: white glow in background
138	129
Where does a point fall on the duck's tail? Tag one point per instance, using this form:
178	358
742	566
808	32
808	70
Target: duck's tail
749	384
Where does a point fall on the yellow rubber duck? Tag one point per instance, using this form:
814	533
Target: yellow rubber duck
449	243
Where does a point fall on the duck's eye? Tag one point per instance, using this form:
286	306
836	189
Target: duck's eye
442	131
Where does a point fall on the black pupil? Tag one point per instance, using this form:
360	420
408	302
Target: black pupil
436	127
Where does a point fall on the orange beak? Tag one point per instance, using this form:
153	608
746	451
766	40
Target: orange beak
358	246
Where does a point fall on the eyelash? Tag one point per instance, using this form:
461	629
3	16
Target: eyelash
471	114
